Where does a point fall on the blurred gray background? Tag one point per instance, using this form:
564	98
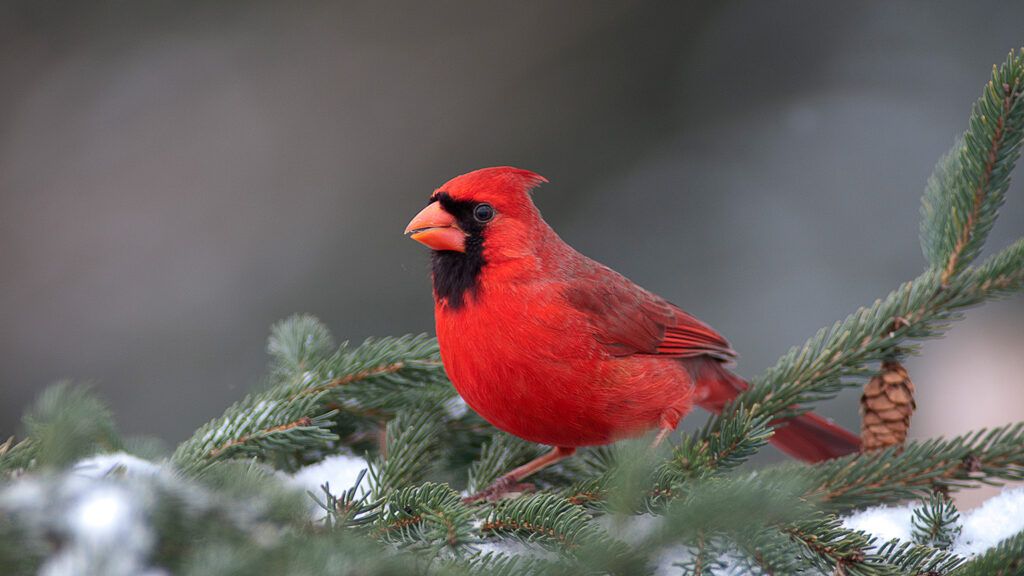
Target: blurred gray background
175	176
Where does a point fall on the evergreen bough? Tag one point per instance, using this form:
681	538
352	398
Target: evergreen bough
218	505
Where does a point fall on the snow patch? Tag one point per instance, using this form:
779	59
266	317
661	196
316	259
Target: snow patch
100	514
340	471
673	557
456	407
885	522
985	527
118	462
998	518
22	495
99	522
511	547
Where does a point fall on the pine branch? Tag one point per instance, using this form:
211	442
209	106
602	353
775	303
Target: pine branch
984	457
916	311
766	518
542	518
1006	559
625	478
497	457
829	547
909	558
291	435
648	481
494	564
428	516
770	518
16	457
960	206
298	344
411	450
769	551
382	376
65	424
464	437
261	425
717	449
936	522
255	491
314	390
703	557
348	509
732	507
1003	273
969	184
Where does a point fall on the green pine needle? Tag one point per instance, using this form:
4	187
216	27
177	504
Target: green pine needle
936	522
983	457
1006	559
969	184
411	450
66	424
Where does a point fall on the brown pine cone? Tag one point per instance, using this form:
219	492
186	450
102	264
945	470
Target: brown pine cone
886	407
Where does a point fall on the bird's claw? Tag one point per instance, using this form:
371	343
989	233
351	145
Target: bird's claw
499	489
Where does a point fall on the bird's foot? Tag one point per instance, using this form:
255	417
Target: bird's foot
501	487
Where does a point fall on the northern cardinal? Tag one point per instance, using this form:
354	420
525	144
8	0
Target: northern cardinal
553	347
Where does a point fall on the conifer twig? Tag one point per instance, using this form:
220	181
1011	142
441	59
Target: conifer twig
243	439
312	388
963	197
960	206
936	521
1006	559
983	457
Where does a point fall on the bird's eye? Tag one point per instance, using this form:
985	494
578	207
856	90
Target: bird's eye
483	212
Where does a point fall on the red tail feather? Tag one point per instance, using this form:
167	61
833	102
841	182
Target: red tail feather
809	437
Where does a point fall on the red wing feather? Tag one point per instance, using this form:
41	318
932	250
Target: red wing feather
629	320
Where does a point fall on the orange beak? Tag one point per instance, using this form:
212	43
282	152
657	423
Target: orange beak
437	229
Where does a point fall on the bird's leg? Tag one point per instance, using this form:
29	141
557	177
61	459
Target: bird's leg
662	434
669	421
510	481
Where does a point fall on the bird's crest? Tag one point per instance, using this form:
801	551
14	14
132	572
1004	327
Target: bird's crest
497	179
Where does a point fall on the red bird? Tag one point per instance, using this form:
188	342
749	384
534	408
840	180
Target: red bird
553	347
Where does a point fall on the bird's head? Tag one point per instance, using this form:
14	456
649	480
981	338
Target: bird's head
490	203
481	218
